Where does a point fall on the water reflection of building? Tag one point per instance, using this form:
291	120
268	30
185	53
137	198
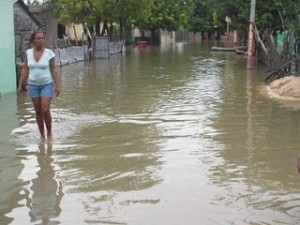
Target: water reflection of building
46	189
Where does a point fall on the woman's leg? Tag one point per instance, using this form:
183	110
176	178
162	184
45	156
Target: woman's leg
47	93
45	108
39	116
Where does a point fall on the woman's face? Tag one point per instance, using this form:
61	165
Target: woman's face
38	39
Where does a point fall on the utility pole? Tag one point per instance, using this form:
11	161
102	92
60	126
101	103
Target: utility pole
251	41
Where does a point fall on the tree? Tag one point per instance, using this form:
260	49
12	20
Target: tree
110	12
203	17
170	15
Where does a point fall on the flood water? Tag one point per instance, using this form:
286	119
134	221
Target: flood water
175	135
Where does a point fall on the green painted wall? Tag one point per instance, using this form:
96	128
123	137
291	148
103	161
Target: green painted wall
8	81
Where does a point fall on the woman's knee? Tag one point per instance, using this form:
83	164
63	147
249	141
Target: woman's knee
38	112
45	111
45	105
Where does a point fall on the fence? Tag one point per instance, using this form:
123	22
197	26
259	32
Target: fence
70	55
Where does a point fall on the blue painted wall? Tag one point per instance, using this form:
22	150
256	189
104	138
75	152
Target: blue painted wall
8	80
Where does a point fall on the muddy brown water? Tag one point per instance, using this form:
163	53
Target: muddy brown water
158	135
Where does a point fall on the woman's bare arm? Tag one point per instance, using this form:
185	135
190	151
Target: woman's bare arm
55	76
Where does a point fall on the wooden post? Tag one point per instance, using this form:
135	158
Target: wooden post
251	40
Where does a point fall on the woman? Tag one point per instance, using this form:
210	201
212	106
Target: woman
43	83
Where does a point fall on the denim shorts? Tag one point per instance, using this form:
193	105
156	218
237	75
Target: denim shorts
44	90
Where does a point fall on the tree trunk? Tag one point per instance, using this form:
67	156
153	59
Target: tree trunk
153	37
97	26
111	30
104	31
122	25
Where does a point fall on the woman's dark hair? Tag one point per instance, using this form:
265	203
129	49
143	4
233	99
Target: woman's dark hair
32	37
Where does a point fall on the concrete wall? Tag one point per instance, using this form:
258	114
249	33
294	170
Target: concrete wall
8	79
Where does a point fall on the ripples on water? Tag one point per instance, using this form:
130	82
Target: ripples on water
170	136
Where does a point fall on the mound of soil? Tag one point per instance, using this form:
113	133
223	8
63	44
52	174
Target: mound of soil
285	88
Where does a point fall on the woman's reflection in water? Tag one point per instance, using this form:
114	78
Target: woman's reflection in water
46	189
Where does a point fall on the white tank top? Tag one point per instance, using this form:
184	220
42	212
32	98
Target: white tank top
39	71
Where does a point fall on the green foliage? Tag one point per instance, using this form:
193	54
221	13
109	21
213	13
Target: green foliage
203	17
270	14
167	15
78	11
196	15
91	12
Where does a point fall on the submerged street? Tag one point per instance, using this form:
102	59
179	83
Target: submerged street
157	135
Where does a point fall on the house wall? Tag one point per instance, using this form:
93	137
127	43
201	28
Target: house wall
7	48
70	31
24	26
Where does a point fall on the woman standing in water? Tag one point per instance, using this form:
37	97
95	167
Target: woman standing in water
43	83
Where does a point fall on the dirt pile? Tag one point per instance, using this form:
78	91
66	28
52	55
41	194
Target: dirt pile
285	88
